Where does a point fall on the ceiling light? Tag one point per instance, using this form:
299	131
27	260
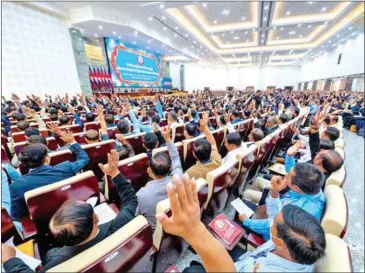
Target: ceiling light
164	28
170	50
236	37
299	25
204	5
243	18
134	43
100	27
81	30
274	27
338	35
192	46
162	6
176	27
282	28
201	46
247	41
253	30
147	47
163	45
324	9
163	18
292	32
175	35
325	23
309	26
353	34
114	33
194	42
265	19
223	34
301	36
119	37
225	12
277	38
149	41
96	35
329	41
288	13
186	35
215	21
350	28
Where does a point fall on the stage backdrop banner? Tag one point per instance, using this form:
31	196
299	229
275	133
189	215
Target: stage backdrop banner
132	67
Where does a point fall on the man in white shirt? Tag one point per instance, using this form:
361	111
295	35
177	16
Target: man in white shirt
234	145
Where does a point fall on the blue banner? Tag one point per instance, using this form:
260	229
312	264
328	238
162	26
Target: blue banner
132	67
167	83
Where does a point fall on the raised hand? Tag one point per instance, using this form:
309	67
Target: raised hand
227	118
278	183
111	168
120	138
127	106
293	150
53	127
165	132
67	137
7	252
100	111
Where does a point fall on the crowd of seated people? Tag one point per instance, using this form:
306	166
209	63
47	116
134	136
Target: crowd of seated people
288	207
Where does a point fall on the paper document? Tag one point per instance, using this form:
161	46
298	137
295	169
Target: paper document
241	207
105	213
28	260
92	201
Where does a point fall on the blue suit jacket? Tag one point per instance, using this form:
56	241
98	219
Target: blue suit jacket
43	176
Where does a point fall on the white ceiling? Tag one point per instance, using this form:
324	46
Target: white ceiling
245	33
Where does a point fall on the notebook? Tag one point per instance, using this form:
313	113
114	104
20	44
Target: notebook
241	207
278	168
104	213
225	229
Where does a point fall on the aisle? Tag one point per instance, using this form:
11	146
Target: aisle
354	190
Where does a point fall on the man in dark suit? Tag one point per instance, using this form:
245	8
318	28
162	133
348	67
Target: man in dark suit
75	225
270	126
35	157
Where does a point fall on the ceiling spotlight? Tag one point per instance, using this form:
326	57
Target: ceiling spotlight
176	27
114	33
325	23
119	37
81	30
134	43
163	18
225	12
100	27
135	32
243	18
265	19
215	21
281	28
324	9
329	41
96	35
236	37
246	32
150	18
175	35
149	41
162	6
338	35
232	32
170	50
201	46
292	32
194	42
288	13
277	38
164	28
299	25
163	45
309	26
349	28
204	5
186	35
211	34
192	46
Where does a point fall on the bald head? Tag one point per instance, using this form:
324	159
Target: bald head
256	135
92	136
329	160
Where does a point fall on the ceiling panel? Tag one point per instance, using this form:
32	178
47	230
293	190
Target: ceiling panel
290	9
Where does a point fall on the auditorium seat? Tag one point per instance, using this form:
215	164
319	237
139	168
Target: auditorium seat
274	143
169	247
340	143
51	144
135	170
337	178
43	202
72	128
136	141
14	128
112	131
98	153
218	181
61	156
92	126
4	154
179	147
8	229
263	152
337	258
335	217
189	159
246	161
341	152
177	133
80	138
219	136
213	122
20	136
163	122
126	250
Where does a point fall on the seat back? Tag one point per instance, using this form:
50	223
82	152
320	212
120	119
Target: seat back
337	178
214	123
178	133
337	258
61	156
341	152
340	143
51	144
4	155
136	141
189	159
135	170
112	131
179	147
163	122
72	128
219	136
95	125
335	217
126	250
246	161
221	178
8	229
274	143
80	138
98	153
264	149
43	202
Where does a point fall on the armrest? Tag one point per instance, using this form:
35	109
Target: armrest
29	228
254	240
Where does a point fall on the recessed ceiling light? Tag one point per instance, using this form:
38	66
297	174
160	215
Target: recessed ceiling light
163	18
194	42
164	28
329	41
350	28
281	28
265	19
215	21
201	46
292	32
309	26
236	37
253	30
162	6
225	12
81	30
119	37
247	41
176	27
223	34
324	8
204	5
288	13
243	18
266	7
163	45
192	46
299	25
186	35
114	33
134	43
325	23
96	35
147	47
353	34
277	38
175	35
100	27
170	50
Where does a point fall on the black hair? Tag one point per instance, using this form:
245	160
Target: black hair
150	141
302	235
109	119
326	144
19	116
236	113
36	108
8	110
80	107
33	155
257	134
193	113
150	112
308	177
296	110
156	119
332	132
31	131
234	138
64	120
91	135
202	149
331	161
173	115
64	109
53	111
123	126
53	117
37	139
284	118
90	117
335	118
72	223
185	110
22	125
191	129
247	113
160	164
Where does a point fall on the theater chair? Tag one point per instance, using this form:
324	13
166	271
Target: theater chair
14	128
177	133
341	152
51	144
8	229
98	153
112	131
274	143
163	122
189	159
4	154
337	178
262	154
43	202
136	141
126	250
246	161
219	182
340	143
135	170
80	138
245	129
219	136
337	258
167	247
71	128
335	217
20	136
92	126
179	147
